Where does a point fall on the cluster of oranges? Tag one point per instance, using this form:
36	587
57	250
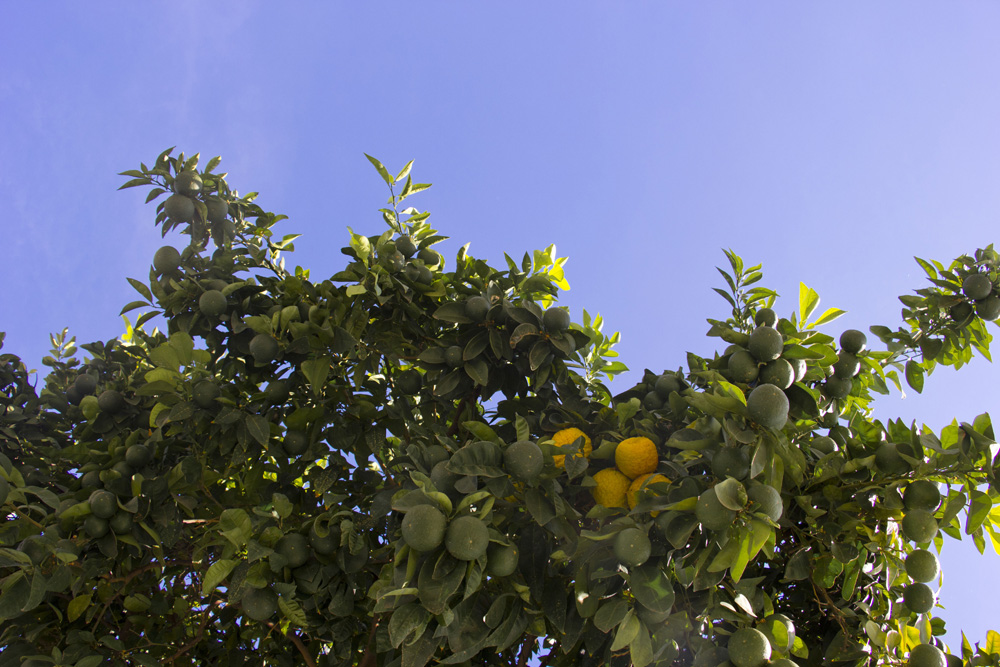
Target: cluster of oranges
636	460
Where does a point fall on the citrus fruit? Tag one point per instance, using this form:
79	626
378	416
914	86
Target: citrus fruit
780	632
632	547
799	367
567	436
835	387
429	256
187	183
988	308
166	260
218	209
85	383
748	647
205	393
922	494
442	478
555	319
925	655
767	405
295	548
296	443
743	367
919	526
731	462
779	372
263	348
612	488
922	565
889	460
666	384
138	456
405	245
453	356
768	500
260	604
179	208
783	662
121	523
476	308
409	382
765	343
123	469
853	341
435	454
212	303
423	527
111	401
961	313
711	513
847	365
523	460
90	480
641	484
501	559
636	456
467	538
103	504
325	545
824	444
977	286
276	391
652	401
918	598
95	526
765	317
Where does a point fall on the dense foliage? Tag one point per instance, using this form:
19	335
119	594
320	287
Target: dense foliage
417	461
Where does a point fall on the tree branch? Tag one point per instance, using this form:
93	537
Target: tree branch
368	659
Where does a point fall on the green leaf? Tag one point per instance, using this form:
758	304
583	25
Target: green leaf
641	648
316	372
478	371
381	170
829	316
78	605
259	428
404	172
992	642
141	288
915	375
731	494
808	300
216	574
291	610
628	629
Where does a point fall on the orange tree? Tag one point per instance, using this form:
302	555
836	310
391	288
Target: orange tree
416	461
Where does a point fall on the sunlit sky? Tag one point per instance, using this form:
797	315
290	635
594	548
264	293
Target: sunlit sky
831	142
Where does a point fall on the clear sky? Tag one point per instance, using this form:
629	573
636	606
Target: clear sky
830	141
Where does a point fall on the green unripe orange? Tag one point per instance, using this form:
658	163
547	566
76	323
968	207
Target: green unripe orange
766	344
555	319
977	286
467	538
166	259
263	348
423	527
212	303
179	208
767	405
295	548
188	183
632	547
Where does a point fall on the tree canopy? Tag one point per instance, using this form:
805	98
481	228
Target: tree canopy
419	461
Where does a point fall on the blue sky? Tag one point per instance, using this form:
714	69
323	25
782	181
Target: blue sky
830	142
